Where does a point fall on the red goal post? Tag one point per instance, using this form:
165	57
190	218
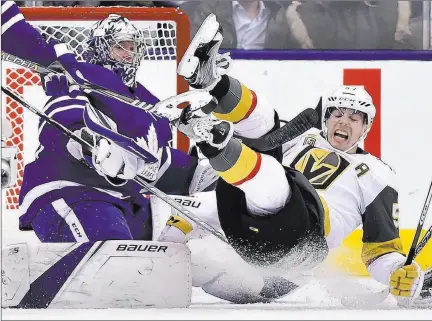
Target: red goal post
167	35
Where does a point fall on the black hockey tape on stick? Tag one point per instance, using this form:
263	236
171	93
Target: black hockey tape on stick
150	188
293	128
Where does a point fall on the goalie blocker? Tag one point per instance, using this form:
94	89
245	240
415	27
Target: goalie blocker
108	274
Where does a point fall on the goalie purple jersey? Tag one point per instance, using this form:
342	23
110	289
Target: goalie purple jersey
31	45
57	175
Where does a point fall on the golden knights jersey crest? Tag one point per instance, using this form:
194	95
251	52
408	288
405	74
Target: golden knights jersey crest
321	167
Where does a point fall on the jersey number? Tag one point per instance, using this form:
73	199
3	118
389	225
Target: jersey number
319	166
395	214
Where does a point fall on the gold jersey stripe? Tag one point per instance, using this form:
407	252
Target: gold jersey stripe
244	107
326	216
371	251
246	164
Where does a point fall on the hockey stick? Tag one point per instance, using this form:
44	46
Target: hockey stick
297	126
378	297
293	128
173	114
412	251
150	188
423	241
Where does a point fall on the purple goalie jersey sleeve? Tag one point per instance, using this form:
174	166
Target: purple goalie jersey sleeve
21	39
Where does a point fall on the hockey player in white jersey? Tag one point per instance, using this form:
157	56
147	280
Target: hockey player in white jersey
346	186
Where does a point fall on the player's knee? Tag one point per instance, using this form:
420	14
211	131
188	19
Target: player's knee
99	221
260	122
269	190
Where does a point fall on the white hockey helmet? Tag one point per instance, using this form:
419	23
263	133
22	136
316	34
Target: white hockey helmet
353	97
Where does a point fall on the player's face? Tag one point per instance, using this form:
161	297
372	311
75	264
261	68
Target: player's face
345	127
123	51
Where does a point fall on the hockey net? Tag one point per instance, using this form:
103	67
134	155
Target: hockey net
166	32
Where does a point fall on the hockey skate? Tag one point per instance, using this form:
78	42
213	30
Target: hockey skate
201	65
215	133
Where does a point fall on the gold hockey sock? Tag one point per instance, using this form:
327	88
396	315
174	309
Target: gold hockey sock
236	101
236	163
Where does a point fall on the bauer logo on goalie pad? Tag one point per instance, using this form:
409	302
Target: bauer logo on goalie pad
142	248
186	202
107	274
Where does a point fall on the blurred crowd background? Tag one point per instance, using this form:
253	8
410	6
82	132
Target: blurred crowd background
311	24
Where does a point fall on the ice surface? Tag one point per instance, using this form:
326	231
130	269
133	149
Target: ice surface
319	299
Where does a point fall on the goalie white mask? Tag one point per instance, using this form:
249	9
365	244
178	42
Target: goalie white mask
355	98
117	44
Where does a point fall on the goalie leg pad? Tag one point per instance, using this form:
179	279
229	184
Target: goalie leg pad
15	274
110	274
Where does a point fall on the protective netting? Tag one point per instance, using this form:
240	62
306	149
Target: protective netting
160	38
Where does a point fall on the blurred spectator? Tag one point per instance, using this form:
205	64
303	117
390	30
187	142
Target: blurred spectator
416	25
162	3
86	3
125	3
246	24
351	25
92	3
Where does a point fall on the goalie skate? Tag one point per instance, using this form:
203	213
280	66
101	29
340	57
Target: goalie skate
199	64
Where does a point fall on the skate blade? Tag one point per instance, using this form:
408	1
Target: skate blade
211	29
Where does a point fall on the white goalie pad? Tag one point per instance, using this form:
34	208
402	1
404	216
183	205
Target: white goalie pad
15	274
109	274
202	204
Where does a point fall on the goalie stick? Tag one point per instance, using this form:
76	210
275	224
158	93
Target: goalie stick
173	114
150	188
297	126
372	299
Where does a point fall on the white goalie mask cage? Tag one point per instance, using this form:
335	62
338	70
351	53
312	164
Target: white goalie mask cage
111	32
